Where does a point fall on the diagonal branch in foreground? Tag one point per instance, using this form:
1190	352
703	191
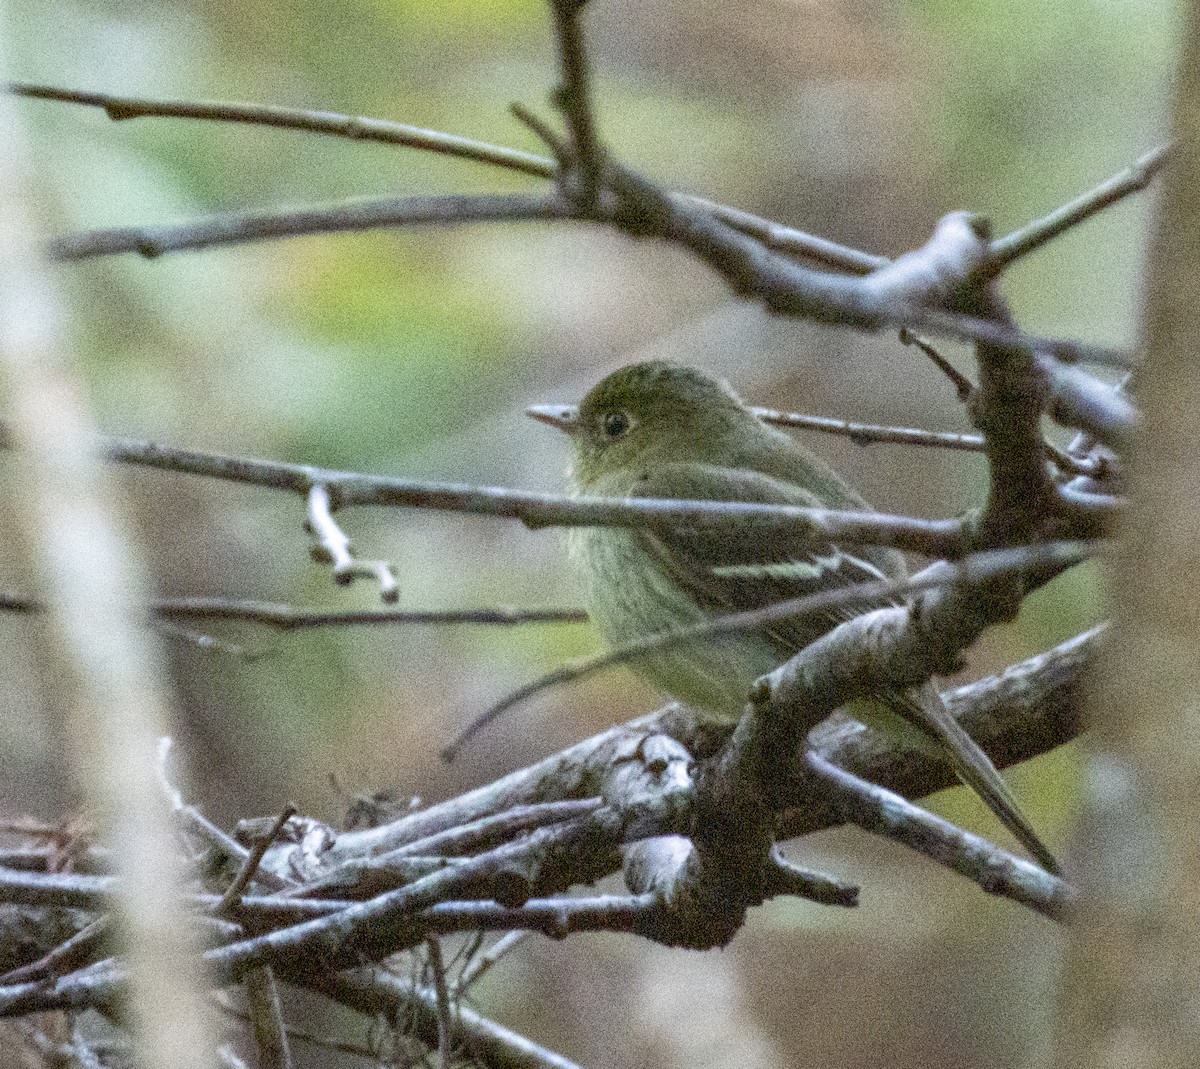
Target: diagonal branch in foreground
973	569
741	788
933	538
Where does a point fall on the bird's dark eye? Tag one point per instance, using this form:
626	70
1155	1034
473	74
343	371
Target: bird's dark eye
616	424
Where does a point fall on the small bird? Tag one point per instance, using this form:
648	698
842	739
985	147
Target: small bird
664	430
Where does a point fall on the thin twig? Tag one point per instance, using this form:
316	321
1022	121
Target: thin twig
489	831
974	568
963	386
871	433
81	1054
333	548
883	812
445	1021
66	957
284	617
573	97
478	966
250	866
785	878
371	214
786	239
221	1001
266	1020
1133	179
354	127
1079	400
377	992
294	618
206	642
205	828
932	538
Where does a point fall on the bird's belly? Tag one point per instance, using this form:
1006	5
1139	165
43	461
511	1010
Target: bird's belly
630	596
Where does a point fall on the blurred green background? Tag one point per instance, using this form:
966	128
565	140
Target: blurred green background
415	353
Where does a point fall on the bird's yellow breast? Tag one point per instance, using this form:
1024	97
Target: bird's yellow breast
630	596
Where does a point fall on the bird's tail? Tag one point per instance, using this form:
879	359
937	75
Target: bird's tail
925	709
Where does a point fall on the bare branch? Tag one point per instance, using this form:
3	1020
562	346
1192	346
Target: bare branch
333	547
354	127
195	821
870	433
902	294
573	96
963	386
370	991
882	812
750	268
442	993
266	1021
72	954
1081	400
785	239
1036	690
254	858
374	992
489	831
285	617
975	568
384	871
237	227
1133	179
481	964
773	235
934	538
294	618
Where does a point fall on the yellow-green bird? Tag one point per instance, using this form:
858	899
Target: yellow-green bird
662	430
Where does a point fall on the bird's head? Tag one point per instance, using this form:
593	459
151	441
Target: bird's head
646	412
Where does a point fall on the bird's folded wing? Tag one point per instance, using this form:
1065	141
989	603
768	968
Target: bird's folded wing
728	569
